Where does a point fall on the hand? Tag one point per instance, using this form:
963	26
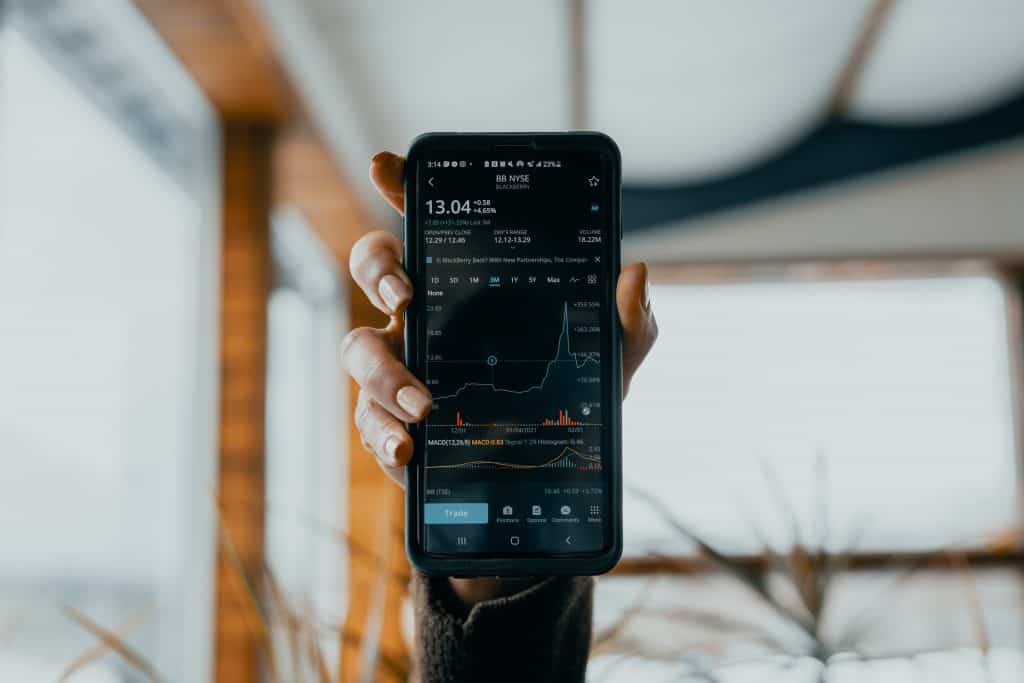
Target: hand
389	394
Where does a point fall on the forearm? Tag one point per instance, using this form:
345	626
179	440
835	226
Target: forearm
501	629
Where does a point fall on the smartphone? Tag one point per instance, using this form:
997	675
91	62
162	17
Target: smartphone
513	243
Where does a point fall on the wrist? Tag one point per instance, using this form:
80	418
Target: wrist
472	591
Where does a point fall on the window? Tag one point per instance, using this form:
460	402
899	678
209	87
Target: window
891	395
107	345
305	471
871	416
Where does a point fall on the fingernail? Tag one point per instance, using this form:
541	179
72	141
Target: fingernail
391	449
646	300
413	401
393	290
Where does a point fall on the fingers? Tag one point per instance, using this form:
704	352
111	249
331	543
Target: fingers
386	170
389	393
382	433
368	356
376	259
639	328
376	266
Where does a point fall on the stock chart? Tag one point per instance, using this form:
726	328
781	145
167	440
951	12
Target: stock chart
514	292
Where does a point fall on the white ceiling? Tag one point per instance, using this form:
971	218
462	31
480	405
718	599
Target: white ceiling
697	89
942	59
689	89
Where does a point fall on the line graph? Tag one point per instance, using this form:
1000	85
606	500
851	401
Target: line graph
564	460
566	355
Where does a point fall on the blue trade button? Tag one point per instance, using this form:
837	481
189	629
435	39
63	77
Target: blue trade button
455	513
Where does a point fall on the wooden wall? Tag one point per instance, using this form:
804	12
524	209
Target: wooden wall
272	156
245	287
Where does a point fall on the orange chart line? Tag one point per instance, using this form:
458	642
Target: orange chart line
513	466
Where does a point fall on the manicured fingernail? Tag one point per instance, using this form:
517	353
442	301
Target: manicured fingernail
394	291
391	449
413	401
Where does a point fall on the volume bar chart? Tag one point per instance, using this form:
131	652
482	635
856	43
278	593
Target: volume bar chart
563	420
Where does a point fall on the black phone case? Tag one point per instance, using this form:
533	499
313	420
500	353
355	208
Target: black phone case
578	565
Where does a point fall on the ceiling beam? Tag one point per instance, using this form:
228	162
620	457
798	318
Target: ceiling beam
227	47
964	206
338	94
267	61
846	81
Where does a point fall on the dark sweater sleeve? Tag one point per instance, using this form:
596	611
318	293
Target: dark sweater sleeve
539	634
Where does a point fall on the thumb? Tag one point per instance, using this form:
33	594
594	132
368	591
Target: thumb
639	328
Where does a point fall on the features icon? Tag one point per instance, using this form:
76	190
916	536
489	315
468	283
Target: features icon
592	279
461	540
535	511
507	510
514	540
566	510
445	164
593	181
594	510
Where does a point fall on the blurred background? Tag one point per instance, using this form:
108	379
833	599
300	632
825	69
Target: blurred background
823	453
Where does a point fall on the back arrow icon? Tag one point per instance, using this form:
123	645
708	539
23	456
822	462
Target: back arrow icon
430	181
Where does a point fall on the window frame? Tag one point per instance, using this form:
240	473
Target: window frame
1008	551
303	265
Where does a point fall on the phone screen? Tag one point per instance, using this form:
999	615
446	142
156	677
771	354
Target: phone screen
515	287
